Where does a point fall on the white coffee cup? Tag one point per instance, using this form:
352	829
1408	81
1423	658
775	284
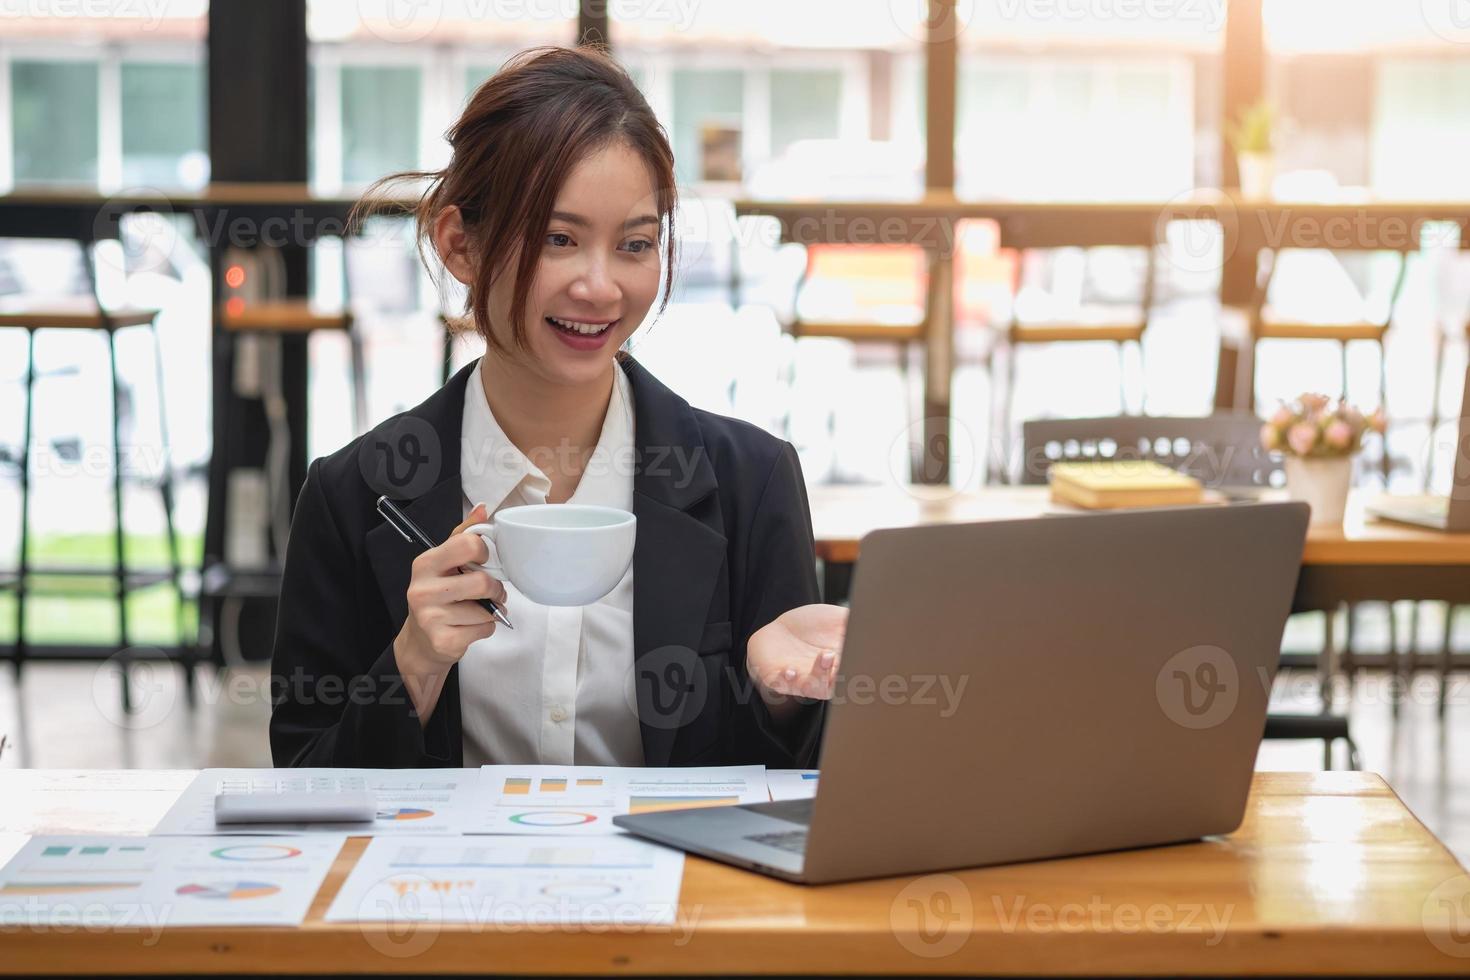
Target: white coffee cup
559	554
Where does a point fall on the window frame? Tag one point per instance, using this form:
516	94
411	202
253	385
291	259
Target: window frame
109	57
658	66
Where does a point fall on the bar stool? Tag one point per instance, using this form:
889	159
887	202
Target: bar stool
1371	325
1267	323
83	313
297	317
1122	325
865	295
271	320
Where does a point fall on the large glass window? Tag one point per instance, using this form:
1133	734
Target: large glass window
805	104
380	121
54	107
1079	128
163	124
1421	132
1368	95
707	123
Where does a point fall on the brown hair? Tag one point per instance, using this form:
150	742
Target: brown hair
518	138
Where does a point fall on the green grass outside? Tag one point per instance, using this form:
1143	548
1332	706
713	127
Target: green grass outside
91	616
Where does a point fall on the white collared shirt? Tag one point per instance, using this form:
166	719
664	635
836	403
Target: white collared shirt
556	690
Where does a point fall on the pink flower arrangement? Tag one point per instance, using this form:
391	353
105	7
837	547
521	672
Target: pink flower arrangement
1314	425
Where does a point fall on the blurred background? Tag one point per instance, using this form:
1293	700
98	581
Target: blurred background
1099	110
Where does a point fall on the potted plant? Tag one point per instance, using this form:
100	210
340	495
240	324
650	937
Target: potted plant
1318	438
1251	138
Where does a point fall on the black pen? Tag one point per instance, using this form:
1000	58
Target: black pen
414	534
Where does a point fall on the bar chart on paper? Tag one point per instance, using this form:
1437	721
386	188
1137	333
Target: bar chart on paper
582	800
512	881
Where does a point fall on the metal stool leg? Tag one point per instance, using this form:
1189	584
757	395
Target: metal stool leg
119	560
908	407
1325	661
1122	378
1446	654
1142	378
166	491
1006	405
1386	461
25	509
1395	662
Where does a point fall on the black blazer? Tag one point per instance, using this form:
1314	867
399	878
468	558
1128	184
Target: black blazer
724	546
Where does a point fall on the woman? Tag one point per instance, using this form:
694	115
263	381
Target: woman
554	213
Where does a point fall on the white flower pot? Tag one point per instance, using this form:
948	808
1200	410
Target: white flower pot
1322	482
1257	174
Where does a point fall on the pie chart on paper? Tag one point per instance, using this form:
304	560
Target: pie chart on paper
229	891
255	852
405	813
552	818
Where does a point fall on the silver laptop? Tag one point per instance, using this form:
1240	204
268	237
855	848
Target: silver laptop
1450	513
1030	689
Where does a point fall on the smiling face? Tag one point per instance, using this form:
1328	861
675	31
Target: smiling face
598	272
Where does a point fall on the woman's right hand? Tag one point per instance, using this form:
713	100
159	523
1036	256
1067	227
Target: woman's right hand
443	616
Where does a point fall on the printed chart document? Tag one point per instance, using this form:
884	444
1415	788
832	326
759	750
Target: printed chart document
509	882
582	800
792	784
153	882
410	801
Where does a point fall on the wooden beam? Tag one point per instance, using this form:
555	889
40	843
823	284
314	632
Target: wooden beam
1245	84
592	23
941	72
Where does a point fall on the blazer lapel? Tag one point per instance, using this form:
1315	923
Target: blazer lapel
435	510
676	561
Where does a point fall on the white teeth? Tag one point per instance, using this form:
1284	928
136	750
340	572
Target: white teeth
590	329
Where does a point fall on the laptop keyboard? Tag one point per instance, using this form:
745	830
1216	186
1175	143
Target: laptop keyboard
787	840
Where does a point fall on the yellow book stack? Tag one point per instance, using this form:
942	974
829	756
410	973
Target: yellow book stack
1114	483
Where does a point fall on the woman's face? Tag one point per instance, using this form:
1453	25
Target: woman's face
598	272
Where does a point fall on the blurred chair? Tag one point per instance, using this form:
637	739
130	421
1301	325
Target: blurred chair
1347	314
866	295
277	318
1223	452
1070	307
268	321
87	313
1359	317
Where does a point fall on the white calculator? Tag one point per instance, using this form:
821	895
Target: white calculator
294	799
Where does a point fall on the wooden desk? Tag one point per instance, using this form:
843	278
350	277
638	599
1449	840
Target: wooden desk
1329	874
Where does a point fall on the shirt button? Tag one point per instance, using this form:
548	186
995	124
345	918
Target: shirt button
558	713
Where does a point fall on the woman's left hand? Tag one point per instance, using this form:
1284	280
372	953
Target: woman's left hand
799	652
